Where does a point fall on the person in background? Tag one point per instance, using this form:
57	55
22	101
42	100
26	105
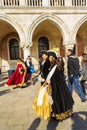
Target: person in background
18	78
60	59
29	64
40	61
84	73
80	63
0	75
73	74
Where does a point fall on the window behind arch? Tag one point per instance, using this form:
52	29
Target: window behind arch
43	44
14	49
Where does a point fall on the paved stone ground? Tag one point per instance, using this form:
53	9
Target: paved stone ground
16	111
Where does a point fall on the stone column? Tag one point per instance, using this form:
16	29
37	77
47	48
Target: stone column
69	45
26	51
68	2
45	2
86	2
22	2
1	2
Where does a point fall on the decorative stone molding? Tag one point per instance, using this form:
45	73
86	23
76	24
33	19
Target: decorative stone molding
69	45
21	45
25	46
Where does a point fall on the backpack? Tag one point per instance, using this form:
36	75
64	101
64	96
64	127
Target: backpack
76	67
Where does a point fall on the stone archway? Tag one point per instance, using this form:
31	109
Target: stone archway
80	36
15	25
49	30
58	27
57	21
11	30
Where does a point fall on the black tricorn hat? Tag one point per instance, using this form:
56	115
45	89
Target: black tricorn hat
51	53
44	52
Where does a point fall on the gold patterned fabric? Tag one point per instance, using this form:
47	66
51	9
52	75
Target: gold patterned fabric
63	115
45	109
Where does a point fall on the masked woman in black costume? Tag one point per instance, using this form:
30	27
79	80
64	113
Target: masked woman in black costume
62	100
54	98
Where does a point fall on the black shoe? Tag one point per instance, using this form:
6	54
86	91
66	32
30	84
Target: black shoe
54	118
84	100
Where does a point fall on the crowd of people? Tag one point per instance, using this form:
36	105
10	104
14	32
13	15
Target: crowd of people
54	99
53	78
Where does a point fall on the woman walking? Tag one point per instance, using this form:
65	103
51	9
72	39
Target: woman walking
62	105
18	78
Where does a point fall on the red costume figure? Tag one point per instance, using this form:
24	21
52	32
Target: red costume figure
19	75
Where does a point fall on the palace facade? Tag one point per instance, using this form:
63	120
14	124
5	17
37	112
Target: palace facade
29	26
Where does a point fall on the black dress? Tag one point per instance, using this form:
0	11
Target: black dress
61	104
62	99
44	70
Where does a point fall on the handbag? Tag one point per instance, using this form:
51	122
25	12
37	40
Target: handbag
32	70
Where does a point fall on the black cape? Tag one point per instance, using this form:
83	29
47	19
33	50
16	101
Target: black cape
62	99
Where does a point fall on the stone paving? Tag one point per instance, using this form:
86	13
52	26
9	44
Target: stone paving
16	111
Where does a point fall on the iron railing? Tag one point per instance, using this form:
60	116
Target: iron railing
40	3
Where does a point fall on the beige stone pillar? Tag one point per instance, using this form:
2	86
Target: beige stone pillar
68	2
45	2
86	2
26	51
69	45
22	2
1	2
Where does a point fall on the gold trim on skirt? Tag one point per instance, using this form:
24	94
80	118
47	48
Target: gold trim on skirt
45	109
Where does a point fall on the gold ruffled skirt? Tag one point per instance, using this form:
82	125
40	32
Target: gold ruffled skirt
45	109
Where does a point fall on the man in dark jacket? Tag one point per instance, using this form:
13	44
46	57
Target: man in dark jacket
84	72
73	74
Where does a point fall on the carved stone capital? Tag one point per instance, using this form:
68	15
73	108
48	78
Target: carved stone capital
22	45
69	45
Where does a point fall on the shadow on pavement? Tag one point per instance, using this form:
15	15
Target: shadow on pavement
52	124
79	121
4	92
2	84
35	80
35	124
2	81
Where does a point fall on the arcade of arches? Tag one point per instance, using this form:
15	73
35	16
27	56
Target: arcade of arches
46	35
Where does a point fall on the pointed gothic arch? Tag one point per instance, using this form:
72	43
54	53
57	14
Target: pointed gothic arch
58	22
